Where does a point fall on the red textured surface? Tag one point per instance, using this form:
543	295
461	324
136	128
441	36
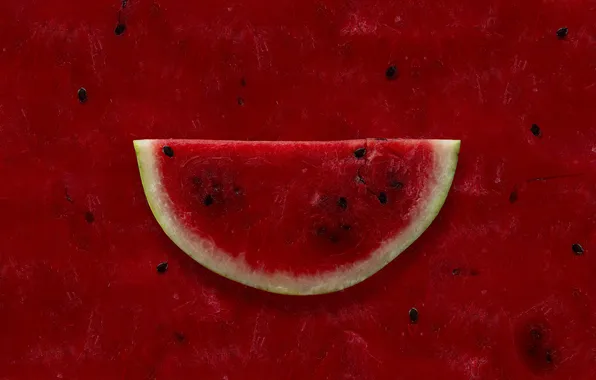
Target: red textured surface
82	300
277	206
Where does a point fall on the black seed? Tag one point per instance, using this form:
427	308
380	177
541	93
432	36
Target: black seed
333	239
243	82
120	28
168	151
67	196
396	184
124	2
82	95
360	152
548	357
456	272
382	198
240	101
413	313
391	72
535	129
89	217
208	201
162	267
179	336
321	231
562	32
513	196
237	190
343	203
577	249
346	227
216	187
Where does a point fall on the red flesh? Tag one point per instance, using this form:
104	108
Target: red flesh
279	205
83	301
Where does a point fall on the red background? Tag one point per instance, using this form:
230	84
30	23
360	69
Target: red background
80	297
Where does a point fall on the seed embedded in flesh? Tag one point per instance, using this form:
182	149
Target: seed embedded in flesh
562	32
346	227
82	95
208	201
360	152
396	184
577	249
413	313
120	28
382	198
342	203
535	129
162	267
391	72
168	151
456	272
240	101
89	217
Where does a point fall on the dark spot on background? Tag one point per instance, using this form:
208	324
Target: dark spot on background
382	198
513	197
360	152
456	272
562	32
162	267
208	201
243	82
333	238
168	151
179	337
240	101
124	2
82	95
396	184
67	196
413	313
120	28
346	227
577	249
237	191
535	334
535	129
391	72
548	357
474	272
342	203
89	217
321	231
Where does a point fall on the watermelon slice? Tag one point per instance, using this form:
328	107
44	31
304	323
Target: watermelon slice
296	217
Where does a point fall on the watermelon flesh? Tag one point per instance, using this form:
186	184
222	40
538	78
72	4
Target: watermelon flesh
296	217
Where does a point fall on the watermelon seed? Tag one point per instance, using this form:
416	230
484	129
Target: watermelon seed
179	337
391	72
168	151
237	190
333	239
549	357
535	129
577	249
456	272
120	28
67	196
208	201
360	152
562	33
342	203
162	267
243	82
513	196
240	101
382	198
346	227
413	313
82	95
89	217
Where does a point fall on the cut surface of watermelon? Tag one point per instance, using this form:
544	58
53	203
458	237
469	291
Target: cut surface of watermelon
296	217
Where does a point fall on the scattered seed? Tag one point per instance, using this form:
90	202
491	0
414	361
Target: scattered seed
396	184
549	357
333	238
382	198
162	267
391	72
240	101
535	129
577	249
413	313
513	196
346	227
179	337
342	203
360	152
208	201
168	151
243	82
89	217
120	28
456	272
562	32
82	95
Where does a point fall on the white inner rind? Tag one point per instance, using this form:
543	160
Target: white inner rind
236	268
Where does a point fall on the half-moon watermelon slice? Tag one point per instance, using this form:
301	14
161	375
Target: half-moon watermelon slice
296	217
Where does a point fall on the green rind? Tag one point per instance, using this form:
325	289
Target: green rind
208	255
